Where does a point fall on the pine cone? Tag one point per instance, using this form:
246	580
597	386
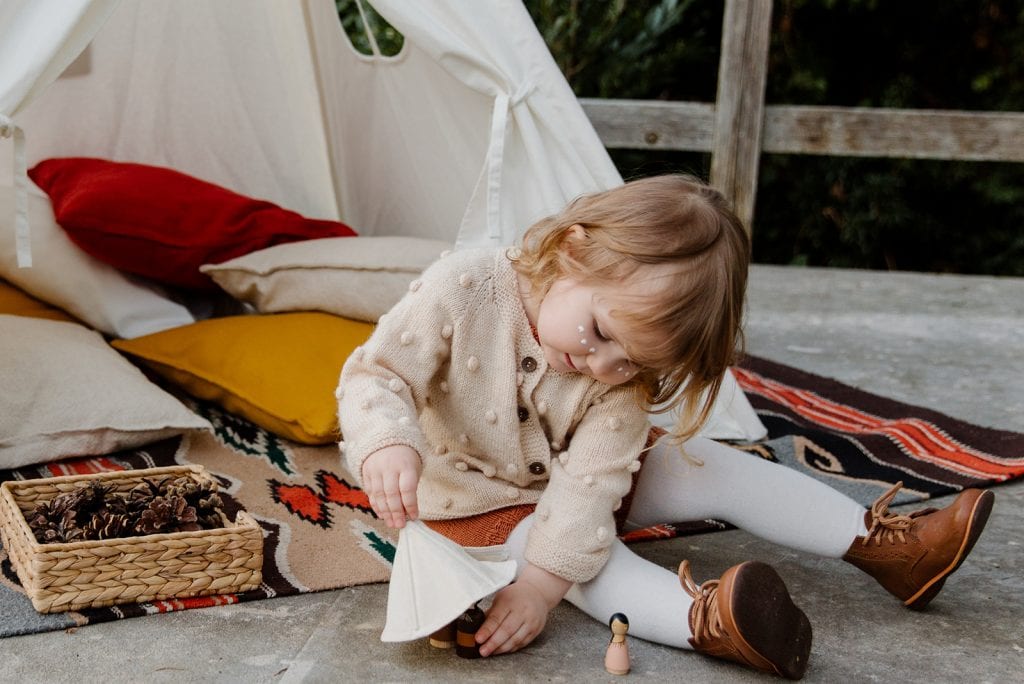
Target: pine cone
94	497
62	503
209	509
114	526
107	524
65	529
97	511
55	522
144	491
184	487
184	515
154	518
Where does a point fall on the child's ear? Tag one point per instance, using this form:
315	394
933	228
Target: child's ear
576	232
572	238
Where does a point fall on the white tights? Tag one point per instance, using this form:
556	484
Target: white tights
771	501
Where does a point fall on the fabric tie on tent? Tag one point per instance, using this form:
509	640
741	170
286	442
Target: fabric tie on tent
8	129
38	40
503	105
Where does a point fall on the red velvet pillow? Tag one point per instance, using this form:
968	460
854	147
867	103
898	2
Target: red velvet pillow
162	224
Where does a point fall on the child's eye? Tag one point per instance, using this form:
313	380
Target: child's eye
600	335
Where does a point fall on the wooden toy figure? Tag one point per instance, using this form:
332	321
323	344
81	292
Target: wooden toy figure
465	633
616	658
444	637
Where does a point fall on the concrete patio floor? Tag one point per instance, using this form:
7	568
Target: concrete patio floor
952	343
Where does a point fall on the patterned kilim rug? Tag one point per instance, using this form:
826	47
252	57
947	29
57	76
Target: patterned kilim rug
319	532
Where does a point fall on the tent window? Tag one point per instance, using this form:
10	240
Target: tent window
368	32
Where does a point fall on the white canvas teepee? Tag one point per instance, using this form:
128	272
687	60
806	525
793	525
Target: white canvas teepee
468	135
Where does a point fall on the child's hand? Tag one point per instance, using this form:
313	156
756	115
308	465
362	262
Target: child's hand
520	611
390	477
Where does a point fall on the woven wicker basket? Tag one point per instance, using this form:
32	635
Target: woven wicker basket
91	574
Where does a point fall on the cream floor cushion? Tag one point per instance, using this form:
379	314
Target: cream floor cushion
65	392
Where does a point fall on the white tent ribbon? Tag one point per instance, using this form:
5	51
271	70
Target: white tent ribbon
8	129
503	105
38	40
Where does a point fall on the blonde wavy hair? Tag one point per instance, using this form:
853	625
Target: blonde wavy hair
672	219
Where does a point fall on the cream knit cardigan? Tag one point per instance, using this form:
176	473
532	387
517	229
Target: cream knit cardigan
454	372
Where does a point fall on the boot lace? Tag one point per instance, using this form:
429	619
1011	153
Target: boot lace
706	622
889	526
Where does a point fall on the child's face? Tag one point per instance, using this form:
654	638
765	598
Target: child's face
578	332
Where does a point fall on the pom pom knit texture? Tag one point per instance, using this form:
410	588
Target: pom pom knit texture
456	357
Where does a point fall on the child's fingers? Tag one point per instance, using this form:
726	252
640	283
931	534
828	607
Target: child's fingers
380	507
378	501
507	632
490	626
494	617
390	477
521	637
393	497
376	491
407	482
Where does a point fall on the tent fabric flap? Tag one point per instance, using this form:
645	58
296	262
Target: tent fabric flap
541	150
38	40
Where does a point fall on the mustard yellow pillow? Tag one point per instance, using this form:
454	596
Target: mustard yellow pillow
278	371
15	301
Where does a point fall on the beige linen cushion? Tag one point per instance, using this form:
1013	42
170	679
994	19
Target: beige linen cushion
65	392
66	277
354	277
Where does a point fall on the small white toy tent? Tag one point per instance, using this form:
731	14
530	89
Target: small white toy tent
469	134
434	580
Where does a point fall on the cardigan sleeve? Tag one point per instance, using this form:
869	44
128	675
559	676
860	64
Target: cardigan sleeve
575	527
385	382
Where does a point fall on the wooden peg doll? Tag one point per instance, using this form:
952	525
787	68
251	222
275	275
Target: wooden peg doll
465	632
444	637
616	658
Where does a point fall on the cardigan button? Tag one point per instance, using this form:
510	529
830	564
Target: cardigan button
537	468
529	364
523	414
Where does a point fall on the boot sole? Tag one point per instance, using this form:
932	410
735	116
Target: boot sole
771	632
979	518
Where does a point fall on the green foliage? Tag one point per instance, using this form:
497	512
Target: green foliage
389	41
643	49
865	213
891	214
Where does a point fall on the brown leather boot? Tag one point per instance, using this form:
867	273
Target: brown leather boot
912	555
748	617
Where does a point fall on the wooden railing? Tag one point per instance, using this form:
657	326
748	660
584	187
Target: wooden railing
739	126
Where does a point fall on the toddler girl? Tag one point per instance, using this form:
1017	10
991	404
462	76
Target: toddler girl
504	400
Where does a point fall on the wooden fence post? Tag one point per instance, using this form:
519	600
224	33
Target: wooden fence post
739	107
